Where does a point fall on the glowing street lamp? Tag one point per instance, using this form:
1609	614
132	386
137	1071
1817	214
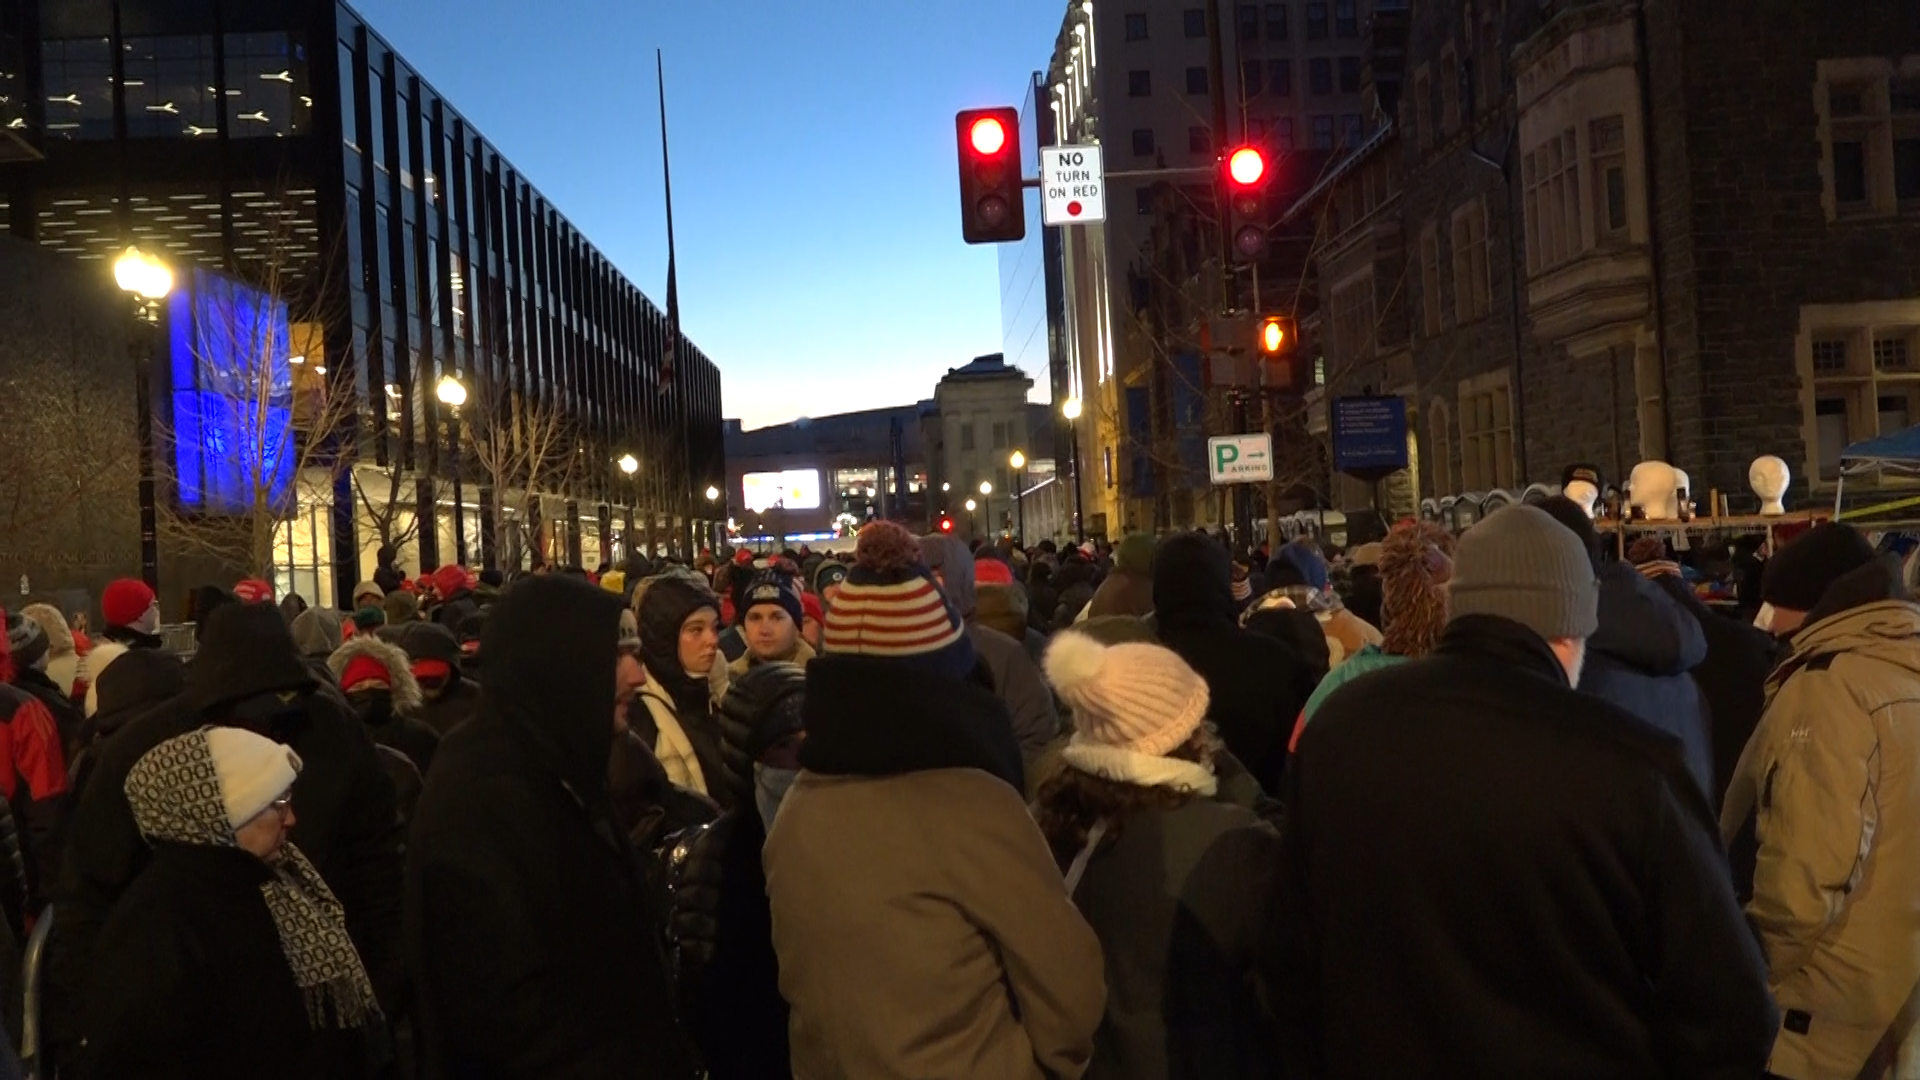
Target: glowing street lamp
713	493
142	275
147	281
453	394
1018	463
1071	410
629	464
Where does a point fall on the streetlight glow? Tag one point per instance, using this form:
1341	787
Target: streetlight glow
944	486
451	391
629	464
1017	461
143	275
713	493
1071	410
971	505
986	487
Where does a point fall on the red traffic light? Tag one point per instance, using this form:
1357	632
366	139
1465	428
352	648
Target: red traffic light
1247	166
946	524
988	136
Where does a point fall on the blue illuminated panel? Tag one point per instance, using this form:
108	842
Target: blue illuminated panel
232	396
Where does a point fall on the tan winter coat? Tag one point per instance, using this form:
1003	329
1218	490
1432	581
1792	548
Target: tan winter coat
802	656
1833	772
924	931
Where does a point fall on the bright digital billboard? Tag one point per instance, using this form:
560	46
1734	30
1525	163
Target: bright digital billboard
793	489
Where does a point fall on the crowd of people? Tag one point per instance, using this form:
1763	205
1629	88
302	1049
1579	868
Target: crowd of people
1494	805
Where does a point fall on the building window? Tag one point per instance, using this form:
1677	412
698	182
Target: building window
1143	200
1106	464
1551	177
1353	130
1250	78
1000	440
1199	140
1283	133
1491	61
1139	83
1247	19
1320	77
267	92
1608	148
1349	74
1859	362
1440	431
1316	21
1142	142
1323	133
1196	80
1486	433
1280	78
1195	22
966	437
1257	128
79	78
1472	293
1422	96
1449	92
1345	22
1136	26
1870	133
170	87
1353	322
1276	22
1430	280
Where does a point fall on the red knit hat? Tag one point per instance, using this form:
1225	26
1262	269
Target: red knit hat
449	579
365	668
810	607
124	601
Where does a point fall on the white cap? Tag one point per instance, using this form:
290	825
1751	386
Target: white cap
253	770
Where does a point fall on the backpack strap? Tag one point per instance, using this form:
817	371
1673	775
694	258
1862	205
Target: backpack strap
1079	868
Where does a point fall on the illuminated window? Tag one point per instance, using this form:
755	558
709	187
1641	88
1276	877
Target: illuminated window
267	91
79	81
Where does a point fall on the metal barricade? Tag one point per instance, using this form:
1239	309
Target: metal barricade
180	639
32	969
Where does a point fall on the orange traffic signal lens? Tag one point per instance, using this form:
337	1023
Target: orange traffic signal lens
1273	336
988	136
1246	166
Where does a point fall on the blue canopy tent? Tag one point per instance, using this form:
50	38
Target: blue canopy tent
1897	453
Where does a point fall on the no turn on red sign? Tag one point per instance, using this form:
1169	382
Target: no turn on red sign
1073	186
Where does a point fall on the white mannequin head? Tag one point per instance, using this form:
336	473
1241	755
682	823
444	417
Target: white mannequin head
1583	494
1769	477
1651	489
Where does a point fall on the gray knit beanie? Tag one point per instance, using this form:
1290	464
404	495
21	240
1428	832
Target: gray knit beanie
1519	563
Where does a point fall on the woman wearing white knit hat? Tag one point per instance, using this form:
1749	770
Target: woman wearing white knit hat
228	956
1154	826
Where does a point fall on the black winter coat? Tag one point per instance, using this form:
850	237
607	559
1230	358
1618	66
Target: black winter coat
1489	874
346	821
729	974
1258	685
1639	659
412	738
189	981
1733	678
1184	902
527	929
1366	596
134	683
456	705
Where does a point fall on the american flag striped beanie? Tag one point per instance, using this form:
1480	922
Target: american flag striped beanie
890	607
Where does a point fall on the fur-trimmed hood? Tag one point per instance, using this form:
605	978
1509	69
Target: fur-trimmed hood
54	625
407	698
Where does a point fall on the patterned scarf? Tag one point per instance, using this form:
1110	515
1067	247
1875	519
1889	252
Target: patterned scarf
175	794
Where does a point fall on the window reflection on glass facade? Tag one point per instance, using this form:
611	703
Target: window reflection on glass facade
267	92
13	82
170	87
79	81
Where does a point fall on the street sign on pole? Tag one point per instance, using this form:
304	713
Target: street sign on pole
1240	459
1369	435
1073	186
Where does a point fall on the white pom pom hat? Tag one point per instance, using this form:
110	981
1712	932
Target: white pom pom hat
1135	697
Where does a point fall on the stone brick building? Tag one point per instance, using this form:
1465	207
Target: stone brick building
1612	230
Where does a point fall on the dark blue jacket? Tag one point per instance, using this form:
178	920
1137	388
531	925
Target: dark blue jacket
1639	660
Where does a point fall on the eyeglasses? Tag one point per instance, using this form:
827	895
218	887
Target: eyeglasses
281	805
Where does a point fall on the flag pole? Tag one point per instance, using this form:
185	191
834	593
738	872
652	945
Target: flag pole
668	374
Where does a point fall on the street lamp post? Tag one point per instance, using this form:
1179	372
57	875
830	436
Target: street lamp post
715	525
629	465
1071	410
973	523
147	281
986	503
1018	463
453	394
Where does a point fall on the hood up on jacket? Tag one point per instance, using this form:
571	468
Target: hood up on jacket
407	697
1193	585
1865	612
245	650
1642	628
318	631
427	641
948	557
123	681
54	625
552	646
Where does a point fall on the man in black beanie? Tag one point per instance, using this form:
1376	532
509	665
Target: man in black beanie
1831	782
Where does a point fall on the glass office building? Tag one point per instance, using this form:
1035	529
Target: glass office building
283	142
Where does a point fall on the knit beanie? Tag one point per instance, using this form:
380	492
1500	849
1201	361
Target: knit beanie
1312	568
1800	573
1135	555
890	607
827	575
26	642
1519	563
124	601
779	587
1414	568
449	579
368	589
1136	697
1568	513
1649	555
991	571
253	770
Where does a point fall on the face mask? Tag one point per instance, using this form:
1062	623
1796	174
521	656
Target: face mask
770	789
373	707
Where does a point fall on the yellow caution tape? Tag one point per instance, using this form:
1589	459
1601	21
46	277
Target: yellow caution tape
1881	508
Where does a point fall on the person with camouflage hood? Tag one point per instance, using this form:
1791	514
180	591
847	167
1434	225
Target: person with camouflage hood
231	956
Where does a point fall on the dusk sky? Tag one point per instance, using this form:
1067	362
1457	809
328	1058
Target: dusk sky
816	208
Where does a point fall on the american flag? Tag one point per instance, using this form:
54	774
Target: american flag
673	327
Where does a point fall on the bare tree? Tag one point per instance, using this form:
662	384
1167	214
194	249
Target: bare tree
523	448
393	517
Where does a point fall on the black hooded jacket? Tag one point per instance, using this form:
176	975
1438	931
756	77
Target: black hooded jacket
528	932
345	817
136	681
1257	685
1639	659
1733	678
458	702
